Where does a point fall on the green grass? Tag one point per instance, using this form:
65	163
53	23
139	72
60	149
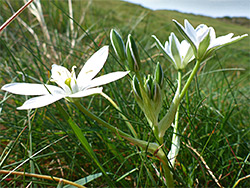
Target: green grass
214	117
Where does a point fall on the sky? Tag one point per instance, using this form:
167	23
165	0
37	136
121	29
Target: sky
212	8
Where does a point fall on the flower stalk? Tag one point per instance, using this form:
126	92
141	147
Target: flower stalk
131	128
175	146
168	119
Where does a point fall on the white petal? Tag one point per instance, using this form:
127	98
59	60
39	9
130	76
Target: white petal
212	35
86	92
93	65
190	31
59	73
175	50
201	32
221	40
31	89
40	101
184	46
168	48
105	79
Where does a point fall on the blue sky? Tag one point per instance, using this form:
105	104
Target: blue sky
213	8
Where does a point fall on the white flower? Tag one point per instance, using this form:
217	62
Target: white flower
70	87
180	54
203	39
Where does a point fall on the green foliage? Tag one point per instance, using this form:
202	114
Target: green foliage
214	117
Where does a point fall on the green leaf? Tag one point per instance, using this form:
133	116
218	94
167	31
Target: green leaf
85	180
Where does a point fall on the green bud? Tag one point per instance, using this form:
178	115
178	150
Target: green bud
136	87
149	86
159	75
134	62
157	92
118	44
157	99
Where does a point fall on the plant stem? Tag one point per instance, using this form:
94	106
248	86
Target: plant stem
150	147
175	139
168	119
42	177
167	172
195	69
131	128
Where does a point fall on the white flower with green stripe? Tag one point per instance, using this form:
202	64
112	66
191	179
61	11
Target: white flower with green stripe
178	53
70	86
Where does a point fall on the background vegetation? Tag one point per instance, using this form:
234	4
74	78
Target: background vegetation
214	117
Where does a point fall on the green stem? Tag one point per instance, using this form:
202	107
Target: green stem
196	67
79	134
131	128
167	172
149	146
168	119
175	139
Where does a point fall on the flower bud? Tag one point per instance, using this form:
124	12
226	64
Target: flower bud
118	44
134	62
159	75
157	98
136	87
157	92
149	86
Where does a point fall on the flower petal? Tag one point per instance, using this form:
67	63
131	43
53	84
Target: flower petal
37	102
190	31
201	32
93	66
165	50
175	50
86	92
60	74
32	89
221	40
107	78
189	36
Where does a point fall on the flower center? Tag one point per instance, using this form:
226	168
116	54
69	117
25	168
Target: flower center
67	82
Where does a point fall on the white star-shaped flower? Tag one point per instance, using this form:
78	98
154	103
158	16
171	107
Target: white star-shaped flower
70	86
178	53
